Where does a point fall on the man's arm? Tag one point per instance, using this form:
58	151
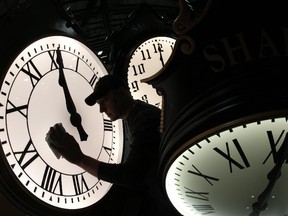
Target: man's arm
68	147
90	165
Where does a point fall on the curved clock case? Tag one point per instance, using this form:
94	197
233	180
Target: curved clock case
222	78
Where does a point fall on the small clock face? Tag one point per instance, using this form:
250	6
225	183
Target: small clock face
147	59
224	172
32	101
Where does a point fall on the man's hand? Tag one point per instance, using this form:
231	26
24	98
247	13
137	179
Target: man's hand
64	144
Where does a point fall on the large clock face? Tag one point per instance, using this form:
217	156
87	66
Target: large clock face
223	171
32	101
145	61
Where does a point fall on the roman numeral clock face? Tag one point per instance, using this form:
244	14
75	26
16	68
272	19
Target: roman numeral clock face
32	100
238	171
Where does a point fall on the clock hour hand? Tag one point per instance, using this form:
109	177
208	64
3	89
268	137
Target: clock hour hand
75	117
160	52
273	176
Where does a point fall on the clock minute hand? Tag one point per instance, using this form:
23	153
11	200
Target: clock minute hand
263	198
160	52
75	117
273	176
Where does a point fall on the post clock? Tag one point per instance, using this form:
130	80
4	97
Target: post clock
224	149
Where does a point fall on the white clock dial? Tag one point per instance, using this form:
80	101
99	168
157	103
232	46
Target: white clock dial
222	172
145	61
32	101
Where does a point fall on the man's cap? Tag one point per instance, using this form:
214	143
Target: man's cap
105	84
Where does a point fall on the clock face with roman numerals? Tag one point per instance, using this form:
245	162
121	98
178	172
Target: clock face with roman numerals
223	172
32	101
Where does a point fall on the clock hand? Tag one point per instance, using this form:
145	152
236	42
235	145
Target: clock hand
273	176
263	198
160	52
75	117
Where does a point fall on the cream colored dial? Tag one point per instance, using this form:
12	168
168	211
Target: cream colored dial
145	61
223	171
